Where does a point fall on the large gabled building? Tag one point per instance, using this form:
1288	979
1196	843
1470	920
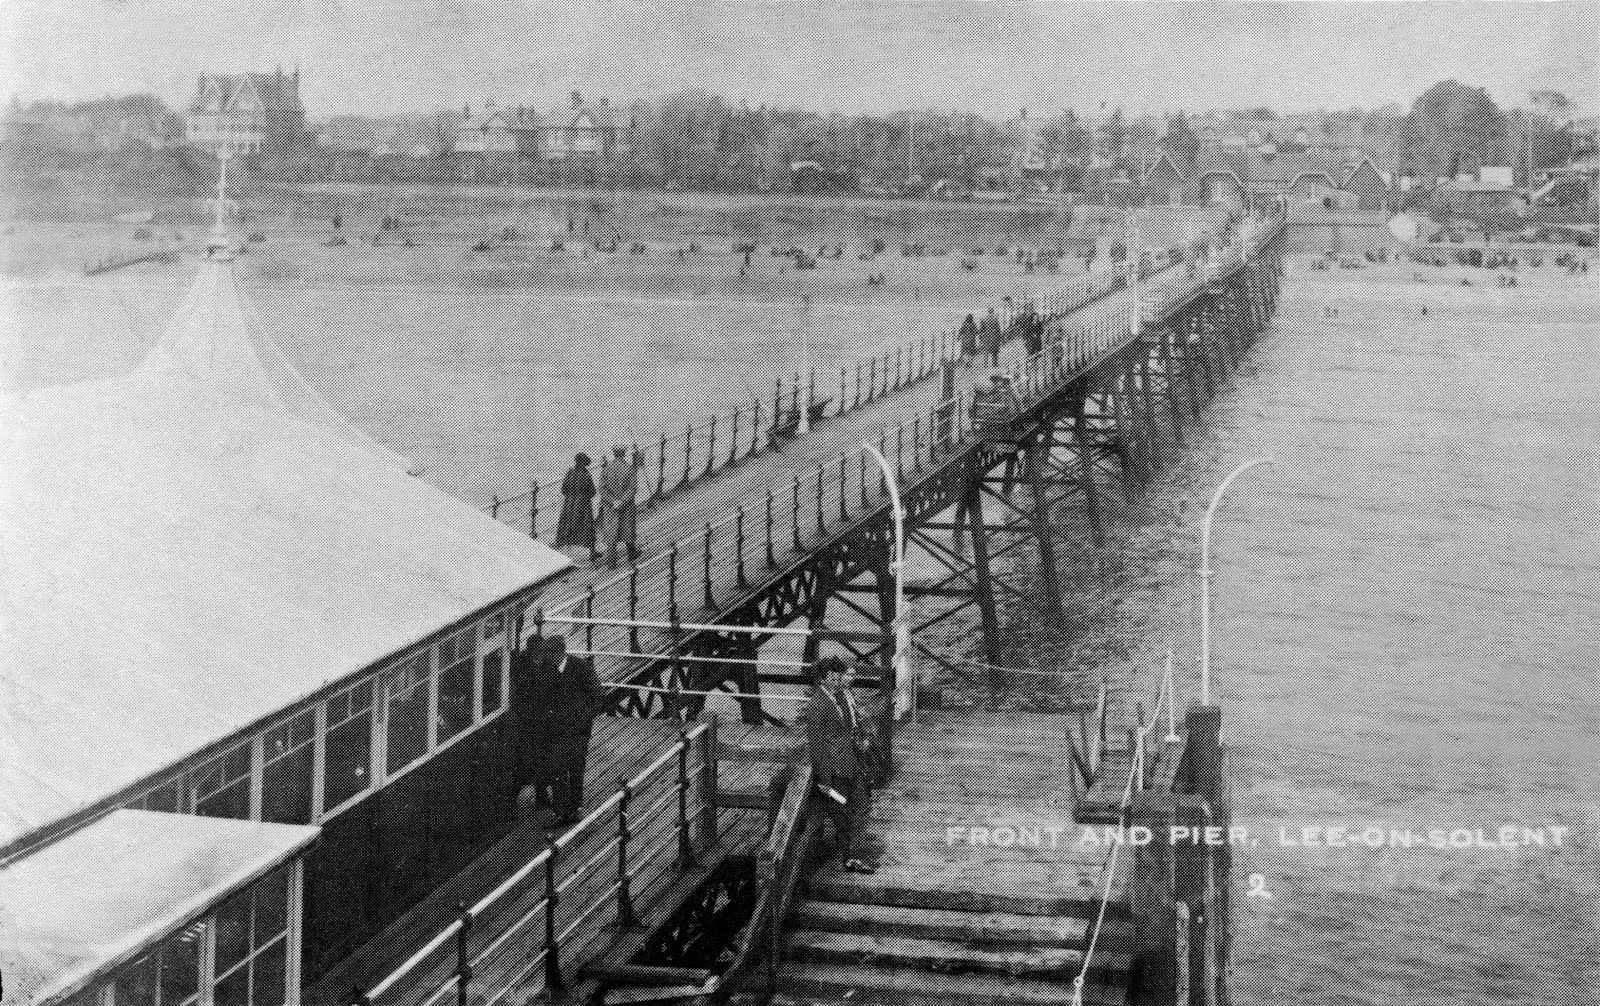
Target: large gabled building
247	113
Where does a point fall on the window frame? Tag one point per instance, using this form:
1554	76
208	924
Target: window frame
374	748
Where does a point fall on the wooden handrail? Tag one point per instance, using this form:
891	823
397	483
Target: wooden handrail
778	871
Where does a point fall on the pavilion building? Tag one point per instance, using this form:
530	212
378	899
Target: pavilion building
254	676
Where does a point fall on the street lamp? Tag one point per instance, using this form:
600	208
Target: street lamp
1205	576
904	698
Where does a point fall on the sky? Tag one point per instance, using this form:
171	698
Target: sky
988	56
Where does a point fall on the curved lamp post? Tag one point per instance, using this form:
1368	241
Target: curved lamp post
903	683
1205	575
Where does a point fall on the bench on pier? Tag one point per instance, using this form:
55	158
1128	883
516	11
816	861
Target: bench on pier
788	422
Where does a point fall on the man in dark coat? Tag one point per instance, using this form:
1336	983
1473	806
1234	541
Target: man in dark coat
533	710
579	697
833	730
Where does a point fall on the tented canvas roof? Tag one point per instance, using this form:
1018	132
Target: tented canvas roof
217	337
180	557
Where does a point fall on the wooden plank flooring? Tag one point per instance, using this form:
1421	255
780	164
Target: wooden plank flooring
975	770
620	748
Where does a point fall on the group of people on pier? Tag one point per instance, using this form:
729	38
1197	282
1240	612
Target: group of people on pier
617	521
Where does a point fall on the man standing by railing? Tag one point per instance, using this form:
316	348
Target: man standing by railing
619	514
833	729
578	699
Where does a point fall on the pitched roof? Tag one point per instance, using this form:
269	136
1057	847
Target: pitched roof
278	92
194	546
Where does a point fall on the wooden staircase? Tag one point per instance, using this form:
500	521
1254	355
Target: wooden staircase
946	923
899	948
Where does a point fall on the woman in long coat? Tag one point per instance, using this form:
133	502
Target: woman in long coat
576	526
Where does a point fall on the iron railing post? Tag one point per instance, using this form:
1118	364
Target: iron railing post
705	577
686	857
738	546
553	982
463	961
626	917
772	557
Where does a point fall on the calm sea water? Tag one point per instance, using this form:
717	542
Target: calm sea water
1407	637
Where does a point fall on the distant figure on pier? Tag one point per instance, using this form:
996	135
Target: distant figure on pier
990	336
619	487
969	338
836	739
575	529
578	699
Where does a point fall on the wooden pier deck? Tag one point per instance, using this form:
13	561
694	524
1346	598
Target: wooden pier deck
984	893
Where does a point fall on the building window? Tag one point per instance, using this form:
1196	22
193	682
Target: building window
457	674
287	756
236	956
348	746
252	935
406	686
493	671
221	787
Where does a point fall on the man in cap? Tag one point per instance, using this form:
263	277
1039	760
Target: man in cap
834	733
619	487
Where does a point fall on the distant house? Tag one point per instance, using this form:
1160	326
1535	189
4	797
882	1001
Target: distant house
584	130
514	132
1475	196
1164	182
1370	186
247	113
1219	181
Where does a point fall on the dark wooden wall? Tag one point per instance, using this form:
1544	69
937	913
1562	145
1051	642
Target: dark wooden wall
388	852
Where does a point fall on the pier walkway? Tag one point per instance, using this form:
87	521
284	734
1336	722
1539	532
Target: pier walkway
735	556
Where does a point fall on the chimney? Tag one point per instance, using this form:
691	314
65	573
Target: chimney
577	99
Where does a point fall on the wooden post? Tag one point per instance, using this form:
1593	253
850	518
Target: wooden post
1151	895
1039	513
1169	378
983	588
1084	450
710	830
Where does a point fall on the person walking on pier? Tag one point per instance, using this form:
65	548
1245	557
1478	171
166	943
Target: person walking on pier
833	731
575	529
578	697
969	338
990	336
619	514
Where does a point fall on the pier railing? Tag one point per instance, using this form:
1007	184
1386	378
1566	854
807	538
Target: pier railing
692	577
675	461
531	931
